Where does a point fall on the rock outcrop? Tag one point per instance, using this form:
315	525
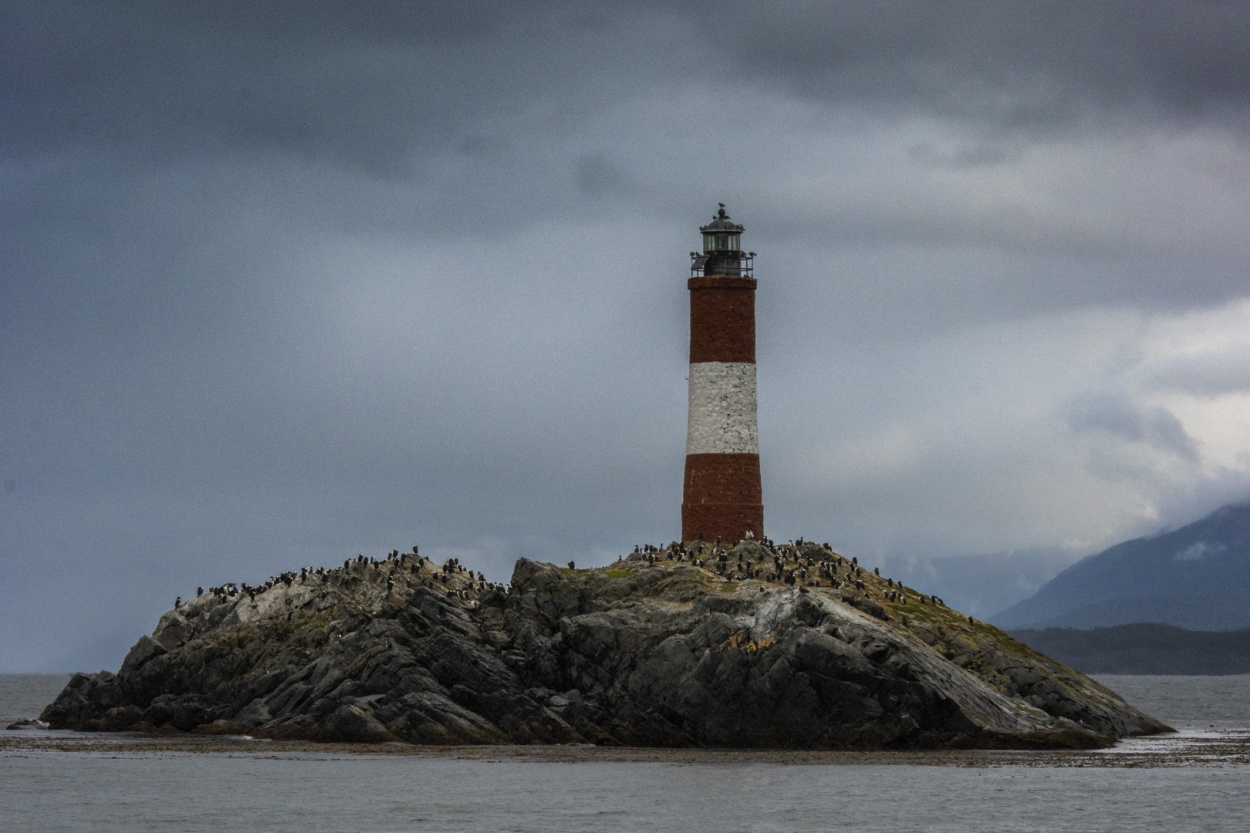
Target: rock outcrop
750	646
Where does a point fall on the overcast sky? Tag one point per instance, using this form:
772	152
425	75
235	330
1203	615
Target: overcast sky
285	282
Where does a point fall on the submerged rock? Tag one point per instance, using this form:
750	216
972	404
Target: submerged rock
755	646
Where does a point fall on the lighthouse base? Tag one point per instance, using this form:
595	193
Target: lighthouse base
723	497
726	521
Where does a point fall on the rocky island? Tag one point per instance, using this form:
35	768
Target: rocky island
754	644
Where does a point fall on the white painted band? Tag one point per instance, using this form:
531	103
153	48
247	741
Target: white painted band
722	409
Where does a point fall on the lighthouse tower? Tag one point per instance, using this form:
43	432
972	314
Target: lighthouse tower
722	498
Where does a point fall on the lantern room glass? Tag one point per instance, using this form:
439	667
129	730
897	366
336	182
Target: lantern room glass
721	242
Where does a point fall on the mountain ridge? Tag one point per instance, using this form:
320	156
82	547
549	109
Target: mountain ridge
1193	577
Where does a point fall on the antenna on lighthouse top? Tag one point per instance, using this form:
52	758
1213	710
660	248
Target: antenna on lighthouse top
722	249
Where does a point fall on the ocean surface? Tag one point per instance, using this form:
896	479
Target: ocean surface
1197	779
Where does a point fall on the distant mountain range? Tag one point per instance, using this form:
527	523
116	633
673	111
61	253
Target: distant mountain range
979	584
1195	577
1143	649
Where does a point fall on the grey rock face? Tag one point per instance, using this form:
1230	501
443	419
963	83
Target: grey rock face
673	648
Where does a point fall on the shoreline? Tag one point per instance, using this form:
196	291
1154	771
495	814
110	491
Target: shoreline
1180	749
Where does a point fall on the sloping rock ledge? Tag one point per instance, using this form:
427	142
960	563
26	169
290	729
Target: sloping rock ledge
757	645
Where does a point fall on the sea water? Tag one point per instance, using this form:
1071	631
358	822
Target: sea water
151	789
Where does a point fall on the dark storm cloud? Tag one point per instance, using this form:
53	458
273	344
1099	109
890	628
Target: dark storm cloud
1117	415
1013	66
373	86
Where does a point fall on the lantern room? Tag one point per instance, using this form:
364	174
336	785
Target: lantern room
722	249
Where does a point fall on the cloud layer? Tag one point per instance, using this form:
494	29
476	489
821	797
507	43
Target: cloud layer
283	283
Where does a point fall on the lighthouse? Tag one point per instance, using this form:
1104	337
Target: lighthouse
722	496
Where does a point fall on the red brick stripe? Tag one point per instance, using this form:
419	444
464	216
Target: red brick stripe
723	497
722	320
